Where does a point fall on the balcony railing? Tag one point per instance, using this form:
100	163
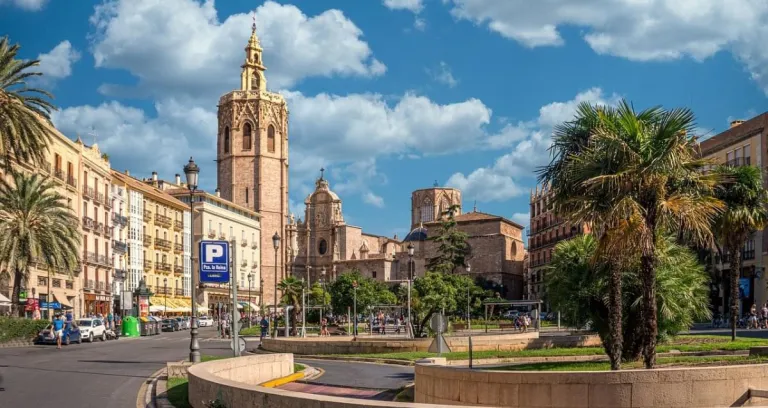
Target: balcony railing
147	265
254	245
211	233
163	266
98	228
101	285
162	244
222	236
88	192
179	292
178	269
178	225
71	180
107	202
162	290
103	260
147	240
59	174
244	263
162	220
244	243
119	219
108	231
119	246
147	215
120	274
739	161
99	198
91	257
178	248
90	284
88	223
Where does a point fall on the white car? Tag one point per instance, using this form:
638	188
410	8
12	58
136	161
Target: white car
204	321
91	329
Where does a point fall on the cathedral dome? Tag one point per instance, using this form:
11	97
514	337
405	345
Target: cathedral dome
417	234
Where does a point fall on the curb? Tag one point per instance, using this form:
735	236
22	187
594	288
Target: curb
147	391
284	380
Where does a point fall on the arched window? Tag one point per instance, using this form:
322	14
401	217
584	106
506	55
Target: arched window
226	139
255	82
247	136
271	139
427	211
444	206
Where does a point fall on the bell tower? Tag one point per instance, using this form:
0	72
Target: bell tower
252	157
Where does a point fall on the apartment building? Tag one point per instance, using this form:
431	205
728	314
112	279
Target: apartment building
744	143
119	198
156	250
96	216
545	230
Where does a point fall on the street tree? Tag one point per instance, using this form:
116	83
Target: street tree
435	292
369	292
292	288
36	227
745	198
452	247
25	126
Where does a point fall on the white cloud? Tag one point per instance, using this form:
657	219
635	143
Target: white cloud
414	6
420	24
443	75
57	63
530	142
373	199
522	218
180	46
359	177
639	30
29	5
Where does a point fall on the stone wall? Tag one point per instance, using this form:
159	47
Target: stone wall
490	342
676	387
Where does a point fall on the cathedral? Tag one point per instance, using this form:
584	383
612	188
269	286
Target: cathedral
252	170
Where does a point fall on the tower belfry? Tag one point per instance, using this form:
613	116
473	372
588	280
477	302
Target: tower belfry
252	76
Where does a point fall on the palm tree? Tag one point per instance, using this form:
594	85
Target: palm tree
745	212
640	172
292	290
36	227
25	127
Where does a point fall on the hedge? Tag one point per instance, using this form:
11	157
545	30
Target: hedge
12	328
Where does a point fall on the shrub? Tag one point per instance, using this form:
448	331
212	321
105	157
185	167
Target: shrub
12	328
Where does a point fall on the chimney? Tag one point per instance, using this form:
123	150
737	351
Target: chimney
127	172
218	192
154	176
735	123
178	179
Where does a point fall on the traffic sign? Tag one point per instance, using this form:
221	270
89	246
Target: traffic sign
214	261
438	323
50	305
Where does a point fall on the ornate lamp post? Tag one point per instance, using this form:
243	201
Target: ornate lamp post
165	292
250	309
410	277
261	297
191	171
322	283
276	244
469	319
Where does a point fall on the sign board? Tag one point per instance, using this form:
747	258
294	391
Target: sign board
214	261
143	306
438	323
32	305
23	296
126	300
241	342
50	305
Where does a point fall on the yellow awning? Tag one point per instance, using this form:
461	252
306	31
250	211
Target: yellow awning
61	298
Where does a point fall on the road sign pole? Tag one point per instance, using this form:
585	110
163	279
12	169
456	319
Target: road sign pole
235	313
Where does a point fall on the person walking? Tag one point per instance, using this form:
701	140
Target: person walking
110	321
264	324
58	329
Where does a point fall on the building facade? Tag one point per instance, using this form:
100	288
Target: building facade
745	143
120	228
252	156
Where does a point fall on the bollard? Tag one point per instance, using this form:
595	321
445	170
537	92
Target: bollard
470	352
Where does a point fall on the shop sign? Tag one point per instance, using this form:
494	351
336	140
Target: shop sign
23	296
143	306
32	305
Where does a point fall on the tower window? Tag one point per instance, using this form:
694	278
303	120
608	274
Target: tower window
271	139
226	139
247	136
427	211
246	195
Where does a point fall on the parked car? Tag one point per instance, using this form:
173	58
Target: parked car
204	321
171	325
188	322
91	329
70	334
182	324
511	314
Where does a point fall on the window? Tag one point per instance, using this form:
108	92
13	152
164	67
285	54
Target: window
322	248
255	81
444	206
747	155
246	195
373	274
427	211
247	136
226	139
271	139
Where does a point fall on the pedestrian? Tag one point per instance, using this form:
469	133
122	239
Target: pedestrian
58	329
397	325
225	328
324	327
264	324
110	320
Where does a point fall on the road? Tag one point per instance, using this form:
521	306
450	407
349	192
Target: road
97	375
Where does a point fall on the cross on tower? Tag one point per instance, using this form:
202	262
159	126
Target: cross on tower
253	26
322	170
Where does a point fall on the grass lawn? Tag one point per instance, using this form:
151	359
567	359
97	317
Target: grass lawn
685	343
206	357
661	362
298	367
178	393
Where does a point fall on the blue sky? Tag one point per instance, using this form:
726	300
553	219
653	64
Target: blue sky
389	95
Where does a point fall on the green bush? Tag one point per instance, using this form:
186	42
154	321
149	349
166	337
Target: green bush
12	328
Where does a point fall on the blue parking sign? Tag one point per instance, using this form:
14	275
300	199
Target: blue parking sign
214	261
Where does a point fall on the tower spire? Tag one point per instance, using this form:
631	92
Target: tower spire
252	76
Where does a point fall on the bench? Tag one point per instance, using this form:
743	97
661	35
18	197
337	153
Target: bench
506	326
459	326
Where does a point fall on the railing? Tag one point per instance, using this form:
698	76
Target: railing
255	265
161	290
120	246
108	231
147	215
59	174
222	235
119	219
98	228
254	245
101	285
178	247
99	198
162	244
71	180
163	220
179	292
211	233
88	192
120	274
88	223
739	161
552	241
89	284
178	225
244	263
107	202
147	240
91	257
178	269
163	266
244	243
103	260
147	265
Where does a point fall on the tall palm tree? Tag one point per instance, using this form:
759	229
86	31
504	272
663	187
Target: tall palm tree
36	227
292	290
25	128
639	171
745	212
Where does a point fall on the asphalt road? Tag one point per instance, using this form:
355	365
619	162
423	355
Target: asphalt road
99	375
361	375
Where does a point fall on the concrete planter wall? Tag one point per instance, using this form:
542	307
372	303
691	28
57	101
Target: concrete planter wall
722	386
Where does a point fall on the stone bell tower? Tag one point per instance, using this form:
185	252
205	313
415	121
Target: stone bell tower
252	158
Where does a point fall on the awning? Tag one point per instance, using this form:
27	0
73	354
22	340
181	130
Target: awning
250	305
156	309
62	298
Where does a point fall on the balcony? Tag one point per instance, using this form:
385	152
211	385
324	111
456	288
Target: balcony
222	236
739	161
101	285
179	292
88	223
178	225
108	231
120	274
103	260
147	215
162	266
254	266
119	219
71	180
88	192
244	243
211	234
162	290
162	244
98	198
90	284
163	221
59	174
254	245
178	248
91	258
108	203
244	263
178	270
98	228
119	246
147	240
147	265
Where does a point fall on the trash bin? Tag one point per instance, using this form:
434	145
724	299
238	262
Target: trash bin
156	325
146	326
130	327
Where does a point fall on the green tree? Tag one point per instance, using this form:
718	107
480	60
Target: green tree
292	288
369	292
452	247
578	285
434	292
36	227
641	170
741	189
25	127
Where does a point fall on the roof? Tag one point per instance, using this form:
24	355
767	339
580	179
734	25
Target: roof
154	193
436	188
185	192
475	216
734	134
417	234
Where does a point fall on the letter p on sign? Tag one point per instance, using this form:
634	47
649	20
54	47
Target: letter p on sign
213	251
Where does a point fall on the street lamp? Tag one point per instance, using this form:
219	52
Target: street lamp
261	296
469	319
322	306
191	171
276	244
165	292
410	276
354	310
250	314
